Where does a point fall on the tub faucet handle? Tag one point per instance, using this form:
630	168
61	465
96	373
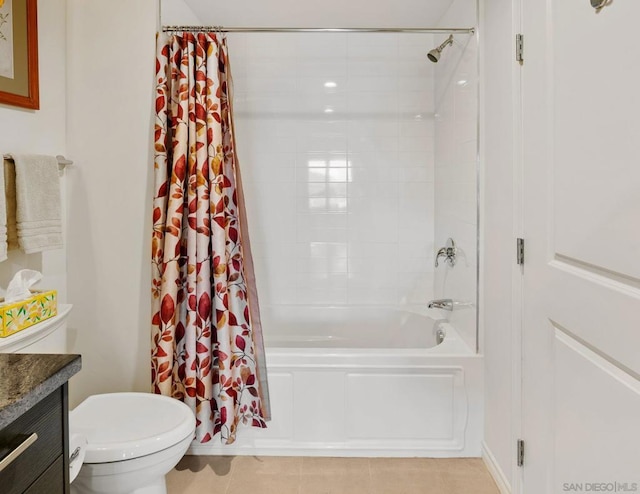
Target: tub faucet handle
442	303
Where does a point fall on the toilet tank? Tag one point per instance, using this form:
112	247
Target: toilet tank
49	336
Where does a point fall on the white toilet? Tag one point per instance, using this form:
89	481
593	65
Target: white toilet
133	441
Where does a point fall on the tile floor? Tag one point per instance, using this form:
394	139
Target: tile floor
298	475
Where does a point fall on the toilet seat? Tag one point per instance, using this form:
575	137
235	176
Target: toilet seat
114	434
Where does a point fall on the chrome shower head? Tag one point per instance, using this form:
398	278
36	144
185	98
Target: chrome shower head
434	55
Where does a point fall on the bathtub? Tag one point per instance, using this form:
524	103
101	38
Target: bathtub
365	381
346	327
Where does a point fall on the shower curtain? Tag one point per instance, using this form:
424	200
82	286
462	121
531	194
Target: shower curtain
207	347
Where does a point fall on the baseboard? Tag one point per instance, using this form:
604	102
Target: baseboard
494	469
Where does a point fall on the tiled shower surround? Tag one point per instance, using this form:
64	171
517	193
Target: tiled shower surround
335	137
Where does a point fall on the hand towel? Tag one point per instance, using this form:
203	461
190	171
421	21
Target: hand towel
10	196
3	216
38	204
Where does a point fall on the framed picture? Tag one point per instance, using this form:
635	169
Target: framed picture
19	53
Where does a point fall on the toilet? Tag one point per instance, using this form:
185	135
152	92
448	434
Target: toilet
133	441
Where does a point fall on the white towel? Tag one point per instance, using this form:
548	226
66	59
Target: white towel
38	204
3	217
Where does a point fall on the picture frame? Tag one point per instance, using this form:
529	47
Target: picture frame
19	85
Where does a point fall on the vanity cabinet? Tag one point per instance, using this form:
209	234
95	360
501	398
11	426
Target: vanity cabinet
34	445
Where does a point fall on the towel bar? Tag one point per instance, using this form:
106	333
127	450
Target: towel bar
62	161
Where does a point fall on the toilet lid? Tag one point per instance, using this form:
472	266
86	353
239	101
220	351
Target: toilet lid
123	426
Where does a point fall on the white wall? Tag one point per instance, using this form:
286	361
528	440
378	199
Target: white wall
178	12
456	152
340	204
42	132
328	13
111	48
498	248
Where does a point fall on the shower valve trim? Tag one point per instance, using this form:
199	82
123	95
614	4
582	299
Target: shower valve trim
449	252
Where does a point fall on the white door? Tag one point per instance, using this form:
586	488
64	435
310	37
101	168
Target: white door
581	331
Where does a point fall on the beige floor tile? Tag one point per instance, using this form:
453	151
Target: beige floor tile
314	475
335	484
272	465
242	483
403	465
407	482
479	483
460	465
220	465
335	466
194	475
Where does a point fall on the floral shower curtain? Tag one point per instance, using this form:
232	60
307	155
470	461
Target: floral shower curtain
207	345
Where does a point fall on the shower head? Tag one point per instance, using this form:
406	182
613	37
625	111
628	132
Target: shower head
434	55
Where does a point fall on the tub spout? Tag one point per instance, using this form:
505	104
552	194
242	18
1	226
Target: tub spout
443	303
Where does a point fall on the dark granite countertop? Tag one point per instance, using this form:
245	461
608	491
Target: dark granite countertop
26	378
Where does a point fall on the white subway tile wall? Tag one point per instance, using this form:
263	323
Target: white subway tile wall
335	136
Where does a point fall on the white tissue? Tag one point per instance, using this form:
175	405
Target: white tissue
19	285
77	451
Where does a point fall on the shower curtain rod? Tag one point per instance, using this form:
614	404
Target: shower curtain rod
221	29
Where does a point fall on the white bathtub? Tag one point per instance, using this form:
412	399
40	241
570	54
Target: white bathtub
346	327
362	381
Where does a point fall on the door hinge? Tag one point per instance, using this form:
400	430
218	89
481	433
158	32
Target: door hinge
520	453
520	251
520	48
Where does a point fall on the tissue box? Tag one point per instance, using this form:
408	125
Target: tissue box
17	316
